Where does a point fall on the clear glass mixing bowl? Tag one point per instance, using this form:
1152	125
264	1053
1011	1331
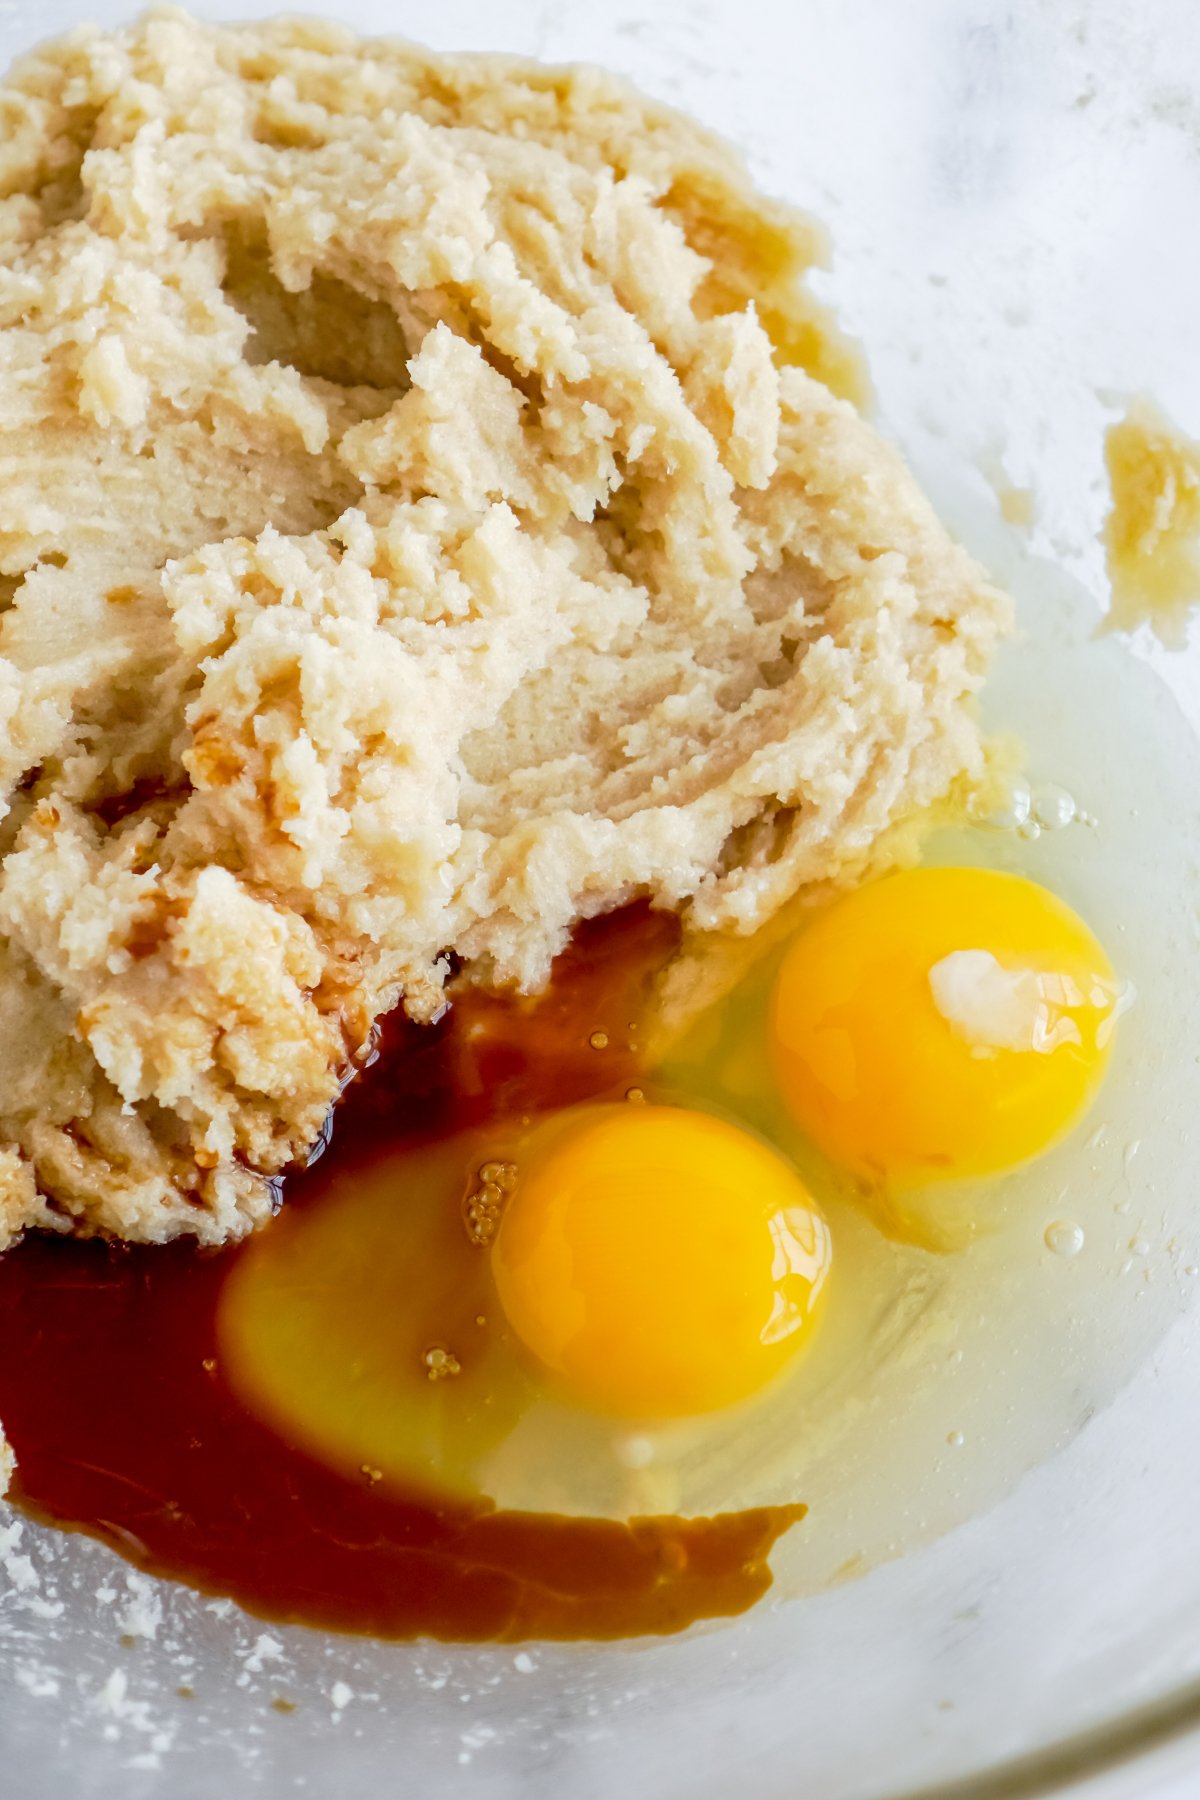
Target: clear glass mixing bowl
1013	193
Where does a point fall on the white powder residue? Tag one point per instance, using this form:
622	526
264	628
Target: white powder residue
39	1682
113	1696
265	1649
121	1712
141	1615
41	1608
21	1575
993	1008
474	1739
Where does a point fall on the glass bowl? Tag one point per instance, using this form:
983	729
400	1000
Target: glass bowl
1012	195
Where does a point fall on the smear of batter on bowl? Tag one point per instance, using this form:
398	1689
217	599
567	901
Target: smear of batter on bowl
1017	503
1152	535
427	518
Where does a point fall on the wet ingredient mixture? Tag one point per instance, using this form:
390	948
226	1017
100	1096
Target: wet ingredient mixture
518	1209
162	1457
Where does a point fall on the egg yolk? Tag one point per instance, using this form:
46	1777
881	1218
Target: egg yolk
942	1023
659	1261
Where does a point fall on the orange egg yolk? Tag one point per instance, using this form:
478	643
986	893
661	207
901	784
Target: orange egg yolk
942	1023
659	1261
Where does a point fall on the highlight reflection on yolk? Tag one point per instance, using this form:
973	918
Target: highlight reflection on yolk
942	1023
659	1261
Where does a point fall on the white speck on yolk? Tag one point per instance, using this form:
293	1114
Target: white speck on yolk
993	1008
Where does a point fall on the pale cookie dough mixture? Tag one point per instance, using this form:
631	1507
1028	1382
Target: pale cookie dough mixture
425	518
1152	535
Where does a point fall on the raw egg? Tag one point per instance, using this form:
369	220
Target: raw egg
942	1023
658	1260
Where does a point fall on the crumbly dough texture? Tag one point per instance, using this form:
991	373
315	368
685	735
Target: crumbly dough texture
426	518
1152	533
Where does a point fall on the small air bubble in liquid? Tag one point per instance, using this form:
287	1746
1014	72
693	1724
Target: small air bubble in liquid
441	1364
956	1440
1030	830
1006	809
1064	1238
1053	806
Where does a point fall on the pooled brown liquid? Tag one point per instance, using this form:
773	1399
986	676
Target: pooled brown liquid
112	1393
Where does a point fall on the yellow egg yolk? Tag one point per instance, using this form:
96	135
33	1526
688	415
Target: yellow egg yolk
659	1261
942	1023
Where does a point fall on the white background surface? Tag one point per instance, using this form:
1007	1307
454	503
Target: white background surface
1014	195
